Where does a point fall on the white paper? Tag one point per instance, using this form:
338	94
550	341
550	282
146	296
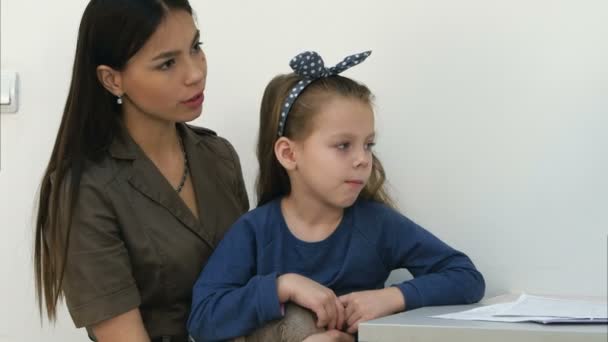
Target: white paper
487	313
536	309
528	305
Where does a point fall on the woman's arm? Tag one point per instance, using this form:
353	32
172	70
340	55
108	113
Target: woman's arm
126	327
99	283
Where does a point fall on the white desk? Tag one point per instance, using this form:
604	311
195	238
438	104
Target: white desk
416	325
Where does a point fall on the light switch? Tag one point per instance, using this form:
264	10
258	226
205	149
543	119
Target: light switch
9	92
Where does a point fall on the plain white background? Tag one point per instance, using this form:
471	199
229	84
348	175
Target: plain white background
492	119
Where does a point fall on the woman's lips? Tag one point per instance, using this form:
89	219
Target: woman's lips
195	101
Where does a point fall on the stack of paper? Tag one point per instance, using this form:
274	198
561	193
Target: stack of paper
537	309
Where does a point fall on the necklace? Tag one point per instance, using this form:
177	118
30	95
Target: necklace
186	169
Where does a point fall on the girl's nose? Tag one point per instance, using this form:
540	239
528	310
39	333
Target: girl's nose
363	158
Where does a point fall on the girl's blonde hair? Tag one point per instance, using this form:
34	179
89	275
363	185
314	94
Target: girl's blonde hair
272	180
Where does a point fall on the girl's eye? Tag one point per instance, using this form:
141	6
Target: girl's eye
167	65
370	145
343	146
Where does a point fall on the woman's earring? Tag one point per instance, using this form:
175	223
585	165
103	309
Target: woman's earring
119	99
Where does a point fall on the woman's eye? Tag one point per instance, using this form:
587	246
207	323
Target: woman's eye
197	47
166	65
370	145
343	146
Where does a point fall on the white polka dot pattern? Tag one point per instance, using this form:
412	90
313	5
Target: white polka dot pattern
309	66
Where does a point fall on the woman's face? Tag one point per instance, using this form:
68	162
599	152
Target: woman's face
165	79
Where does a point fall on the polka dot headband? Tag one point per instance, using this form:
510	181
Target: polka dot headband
309	67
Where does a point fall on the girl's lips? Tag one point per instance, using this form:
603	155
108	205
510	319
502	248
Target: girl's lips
195	101
354	182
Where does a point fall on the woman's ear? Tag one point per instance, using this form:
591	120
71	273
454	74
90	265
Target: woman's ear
110	79
284	150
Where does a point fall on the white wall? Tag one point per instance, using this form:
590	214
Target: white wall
492	115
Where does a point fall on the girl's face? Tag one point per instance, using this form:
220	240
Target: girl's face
335	161
166	78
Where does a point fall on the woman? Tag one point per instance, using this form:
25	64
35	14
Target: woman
133	200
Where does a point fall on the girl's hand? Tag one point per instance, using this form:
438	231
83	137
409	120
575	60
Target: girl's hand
366	305
330	336
313	296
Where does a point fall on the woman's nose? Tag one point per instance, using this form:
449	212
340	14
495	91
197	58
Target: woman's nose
197	70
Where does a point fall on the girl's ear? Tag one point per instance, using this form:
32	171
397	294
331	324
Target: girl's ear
284	150
110	79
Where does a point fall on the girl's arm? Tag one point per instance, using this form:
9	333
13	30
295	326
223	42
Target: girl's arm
229	298
442	275
126	327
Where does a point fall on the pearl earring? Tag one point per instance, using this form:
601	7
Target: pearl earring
119	99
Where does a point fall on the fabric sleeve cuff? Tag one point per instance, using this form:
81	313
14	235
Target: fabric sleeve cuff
413	299
269	307
105	307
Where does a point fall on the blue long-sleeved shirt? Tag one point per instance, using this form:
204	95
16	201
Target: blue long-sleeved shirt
237	290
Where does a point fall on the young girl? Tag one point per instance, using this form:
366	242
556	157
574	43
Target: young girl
325	235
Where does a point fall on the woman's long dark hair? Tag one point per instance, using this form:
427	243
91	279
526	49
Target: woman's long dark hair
110	33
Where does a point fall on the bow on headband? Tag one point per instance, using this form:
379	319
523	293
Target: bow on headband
309	66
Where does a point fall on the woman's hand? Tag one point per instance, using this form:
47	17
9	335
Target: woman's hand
366	305
330	336
313	296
